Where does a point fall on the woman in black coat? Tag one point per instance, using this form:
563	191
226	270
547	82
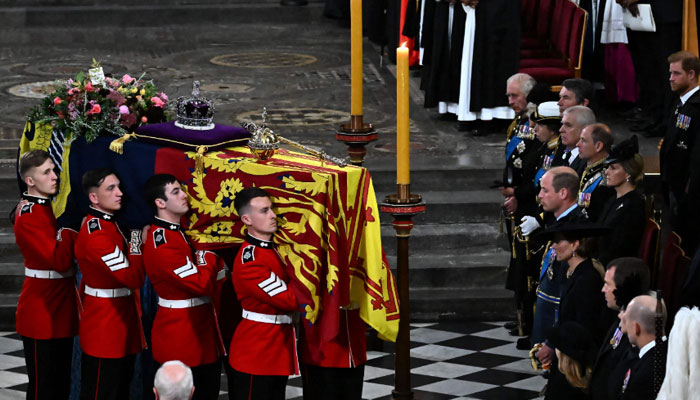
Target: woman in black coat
624	214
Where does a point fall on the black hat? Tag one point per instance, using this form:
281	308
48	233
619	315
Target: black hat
623	151
574	340
574	230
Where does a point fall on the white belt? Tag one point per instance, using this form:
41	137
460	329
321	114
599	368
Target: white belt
107	293
48	273
221	275
186	303
267	318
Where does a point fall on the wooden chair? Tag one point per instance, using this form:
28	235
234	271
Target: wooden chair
649	248
549	69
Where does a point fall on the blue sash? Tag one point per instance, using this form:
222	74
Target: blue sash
538	176
512	145
546	262
592	186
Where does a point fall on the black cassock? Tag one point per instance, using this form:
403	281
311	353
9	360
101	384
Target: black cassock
442	58
496	52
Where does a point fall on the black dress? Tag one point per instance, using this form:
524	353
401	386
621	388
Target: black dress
626	216
581	301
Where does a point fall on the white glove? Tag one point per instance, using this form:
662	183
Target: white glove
529	224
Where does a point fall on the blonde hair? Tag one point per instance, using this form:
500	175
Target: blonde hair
575	372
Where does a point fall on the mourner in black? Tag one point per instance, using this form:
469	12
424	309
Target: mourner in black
580	281
575	92
625	279
680	154
593	145
643	378
625	212
575	350
573	120
558	200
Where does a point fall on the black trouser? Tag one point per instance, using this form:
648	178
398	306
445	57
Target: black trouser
48	367
321	383
258	387
106	378
206	379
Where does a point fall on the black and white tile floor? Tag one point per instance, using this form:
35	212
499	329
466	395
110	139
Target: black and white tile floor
473	360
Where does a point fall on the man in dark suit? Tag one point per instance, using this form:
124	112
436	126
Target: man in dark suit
625	278
639	321
573	121
680	152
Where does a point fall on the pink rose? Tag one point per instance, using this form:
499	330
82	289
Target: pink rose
163	96
57	100
144	119
95	109
127	79
157	102
123	110
89	87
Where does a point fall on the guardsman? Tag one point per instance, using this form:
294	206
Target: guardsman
594	144
110	326
185	327
47	310
680	153
263	350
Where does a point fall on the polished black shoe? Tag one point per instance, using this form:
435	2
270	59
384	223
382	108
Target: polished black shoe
523	343
510	325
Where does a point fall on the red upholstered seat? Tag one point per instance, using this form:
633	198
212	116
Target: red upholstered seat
649	248
669	272
551	75
568	45
557	62
542	19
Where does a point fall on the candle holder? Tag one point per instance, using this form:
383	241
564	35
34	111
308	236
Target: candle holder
403	206
356	135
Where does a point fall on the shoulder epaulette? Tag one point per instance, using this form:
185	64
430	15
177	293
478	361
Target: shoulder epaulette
159	237
94	225
248	254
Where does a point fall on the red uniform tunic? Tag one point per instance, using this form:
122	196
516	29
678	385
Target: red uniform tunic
188	334
109	327
260	279
47	308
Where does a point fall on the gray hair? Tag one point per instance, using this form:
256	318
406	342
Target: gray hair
584	116
526	82
173	381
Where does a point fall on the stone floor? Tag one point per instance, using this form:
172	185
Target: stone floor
475	360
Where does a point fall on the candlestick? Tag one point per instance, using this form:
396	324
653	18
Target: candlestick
403	145
356	57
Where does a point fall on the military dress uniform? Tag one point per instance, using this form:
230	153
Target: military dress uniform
551	281
263	350
185	327
593	193
337	370
680	170
111	333
47	310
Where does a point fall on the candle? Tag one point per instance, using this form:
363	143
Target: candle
403	146
356	60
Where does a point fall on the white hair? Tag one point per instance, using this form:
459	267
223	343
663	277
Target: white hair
584	116
173	381
526	82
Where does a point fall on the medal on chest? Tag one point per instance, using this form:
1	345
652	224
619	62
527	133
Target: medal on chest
617	337
682	121
550	270
584	199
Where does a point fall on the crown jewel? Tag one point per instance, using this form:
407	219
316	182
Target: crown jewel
195	112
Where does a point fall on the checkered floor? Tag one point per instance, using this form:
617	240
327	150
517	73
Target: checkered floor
475	360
